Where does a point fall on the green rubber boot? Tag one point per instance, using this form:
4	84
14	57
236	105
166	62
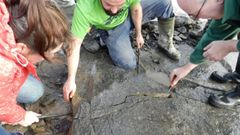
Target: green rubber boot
166	30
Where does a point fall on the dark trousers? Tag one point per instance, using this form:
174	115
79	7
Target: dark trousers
237	69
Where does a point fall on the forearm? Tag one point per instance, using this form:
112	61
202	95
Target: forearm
73	59
179	73
136	13
190	66
216	31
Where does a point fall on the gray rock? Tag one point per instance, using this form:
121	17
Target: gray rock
177	38
181	21
127	103
124	102
176	33
182	30
182	36
156	61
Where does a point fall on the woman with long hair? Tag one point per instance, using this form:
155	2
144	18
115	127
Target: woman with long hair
38	30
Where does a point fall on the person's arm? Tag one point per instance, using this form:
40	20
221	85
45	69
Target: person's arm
11	113
179	73
29	118
79	28
136	14
69	87
211	46
217	50
219	35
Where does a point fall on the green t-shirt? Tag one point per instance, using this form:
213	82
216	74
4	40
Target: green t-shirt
90	13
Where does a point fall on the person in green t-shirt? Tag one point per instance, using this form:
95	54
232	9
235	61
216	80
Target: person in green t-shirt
216	43
114	19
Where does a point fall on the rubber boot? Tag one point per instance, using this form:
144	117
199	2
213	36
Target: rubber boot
166	31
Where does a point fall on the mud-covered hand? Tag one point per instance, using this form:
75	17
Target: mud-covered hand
29	118
69	89
139	41
179	73
217	50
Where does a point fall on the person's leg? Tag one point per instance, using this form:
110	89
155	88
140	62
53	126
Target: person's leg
119	45
31	90
228	77
232	97
163	10
152	9
3	131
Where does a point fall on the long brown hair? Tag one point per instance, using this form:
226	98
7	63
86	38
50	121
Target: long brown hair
46	28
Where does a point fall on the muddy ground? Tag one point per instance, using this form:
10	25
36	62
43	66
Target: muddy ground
125	102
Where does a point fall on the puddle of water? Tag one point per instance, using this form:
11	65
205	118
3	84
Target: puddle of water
159	77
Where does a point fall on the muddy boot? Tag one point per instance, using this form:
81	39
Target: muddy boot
166	30
219	77
226	100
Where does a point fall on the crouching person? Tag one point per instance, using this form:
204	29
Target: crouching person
38	30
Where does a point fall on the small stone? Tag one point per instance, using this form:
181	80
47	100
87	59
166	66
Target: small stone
177	38
156	61
176	33
182	30
181	20
33	126
182	36
147	37
144	32
155	30
155	35
101	42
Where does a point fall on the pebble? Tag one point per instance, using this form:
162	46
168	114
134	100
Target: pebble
182	30
156	61
182	36
177	38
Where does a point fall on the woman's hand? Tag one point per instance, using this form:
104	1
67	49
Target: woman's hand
29	118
